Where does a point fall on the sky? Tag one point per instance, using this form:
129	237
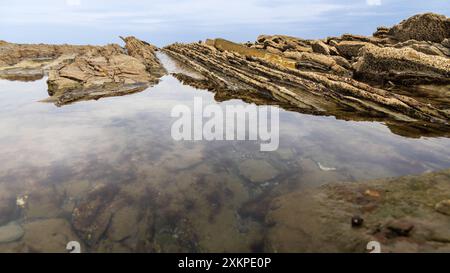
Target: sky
162	22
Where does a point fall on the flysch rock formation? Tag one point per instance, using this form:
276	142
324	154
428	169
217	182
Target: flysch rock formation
28	62
374	77
83	72
400	75
106	71
406	214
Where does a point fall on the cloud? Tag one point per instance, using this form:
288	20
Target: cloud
373	2
193	12
73	3
163	21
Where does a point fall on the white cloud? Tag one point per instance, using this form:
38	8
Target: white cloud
373	2
116	13
73	3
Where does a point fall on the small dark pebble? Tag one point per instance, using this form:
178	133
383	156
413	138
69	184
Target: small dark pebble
357	221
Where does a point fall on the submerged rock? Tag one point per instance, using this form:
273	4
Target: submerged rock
91	217
257	170
49	236
124	223
11	232
7	208
317	220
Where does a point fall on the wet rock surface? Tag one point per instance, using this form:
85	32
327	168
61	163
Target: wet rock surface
138	192
399	213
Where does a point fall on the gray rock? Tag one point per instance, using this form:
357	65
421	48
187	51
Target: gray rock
257	170
7	209
446	43
443	207
11	232
124	223
49	235
320	47
91	217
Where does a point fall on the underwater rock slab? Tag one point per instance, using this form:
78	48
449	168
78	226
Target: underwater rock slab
124	223
398	212
7	207
49	235
257	170
11	232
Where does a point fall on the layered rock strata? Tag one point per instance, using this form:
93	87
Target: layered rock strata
106	71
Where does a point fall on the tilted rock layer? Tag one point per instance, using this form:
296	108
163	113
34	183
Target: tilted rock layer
83	72
370	76
106	71
31	62
403	64
350	77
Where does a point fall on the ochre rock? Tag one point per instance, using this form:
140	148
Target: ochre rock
403	65
422	27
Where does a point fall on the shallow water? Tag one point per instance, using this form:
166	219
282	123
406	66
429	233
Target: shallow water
171	196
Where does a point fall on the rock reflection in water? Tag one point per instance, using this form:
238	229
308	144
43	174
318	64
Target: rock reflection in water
107	173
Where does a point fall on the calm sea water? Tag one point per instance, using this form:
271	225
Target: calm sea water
170	196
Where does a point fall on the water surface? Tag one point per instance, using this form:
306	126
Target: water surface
172	196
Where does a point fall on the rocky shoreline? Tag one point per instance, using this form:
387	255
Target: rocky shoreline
374	77
400	75
83	72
